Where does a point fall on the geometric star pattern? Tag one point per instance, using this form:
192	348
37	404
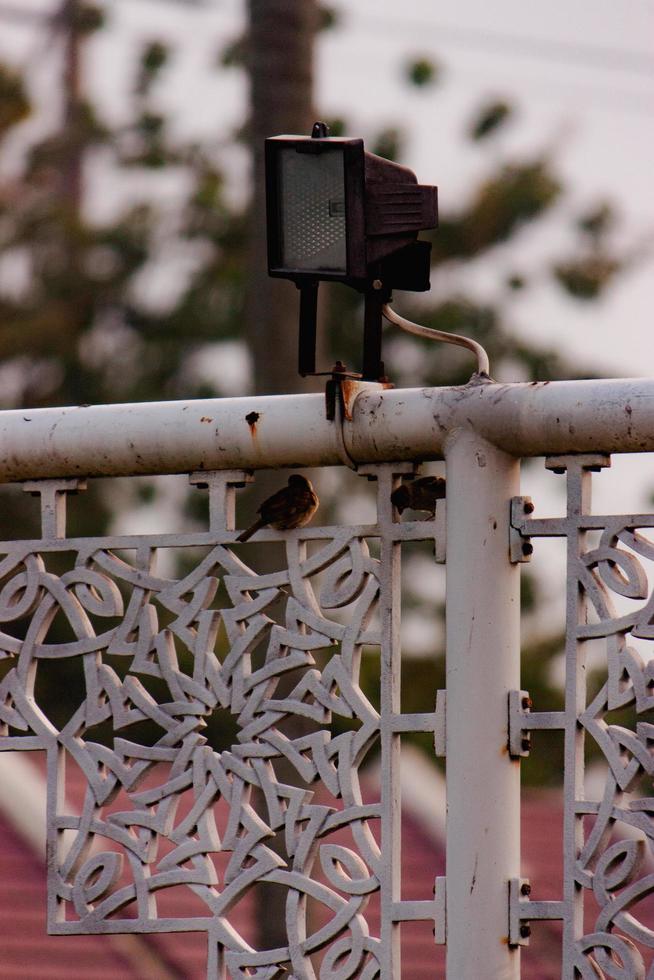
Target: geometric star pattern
271	659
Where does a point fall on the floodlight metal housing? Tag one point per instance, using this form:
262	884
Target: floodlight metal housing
338	213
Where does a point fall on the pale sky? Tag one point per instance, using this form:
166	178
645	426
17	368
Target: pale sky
580	73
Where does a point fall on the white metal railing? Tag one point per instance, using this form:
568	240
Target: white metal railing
310	618
285	430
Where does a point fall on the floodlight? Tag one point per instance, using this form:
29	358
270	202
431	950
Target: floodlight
336	212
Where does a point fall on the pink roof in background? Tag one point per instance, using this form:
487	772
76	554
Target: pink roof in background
27	952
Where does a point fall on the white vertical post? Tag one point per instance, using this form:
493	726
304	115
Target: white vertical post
483	665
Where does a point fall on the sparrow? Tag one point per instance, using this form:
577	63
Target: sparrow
419	494
292	506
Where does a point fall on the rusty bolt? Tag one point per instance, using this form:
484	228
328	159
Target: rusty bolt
527	548
525	888
525	931
527	703
525	743
529	507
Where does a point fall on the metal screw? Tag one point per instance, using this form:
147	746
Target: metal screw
525	888
527	548
377	284
529	507
525	931
526	703
526	743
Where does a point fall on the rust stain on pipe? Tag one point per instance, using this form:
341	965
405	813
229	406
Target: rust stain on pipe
252	418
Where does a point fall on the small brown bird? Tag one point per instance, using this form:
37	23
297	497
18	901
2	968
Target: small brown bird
292	506
419	494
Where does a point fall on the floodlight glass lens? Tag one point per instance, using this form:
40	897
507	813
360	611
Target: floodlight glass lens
312	211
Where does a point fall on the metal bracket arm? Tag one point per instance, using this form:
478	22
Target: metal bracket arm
423	910
523	721
431	721
522	911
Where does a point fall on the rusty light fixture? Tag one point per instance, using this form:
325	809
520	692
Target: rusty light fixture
336	212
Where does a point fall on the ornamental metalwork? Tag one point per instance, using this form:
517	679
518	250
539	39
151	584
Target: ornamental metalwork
278	654
606	721
170	631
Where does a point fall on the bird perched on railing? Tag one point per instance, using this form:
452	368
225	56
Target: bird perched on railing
420	494
292	506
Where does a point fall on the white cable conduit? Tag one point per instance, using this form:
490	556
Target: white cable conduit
483	366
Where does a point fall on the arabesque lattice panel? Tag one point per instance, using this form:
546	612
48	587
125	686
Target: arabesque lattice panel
277	655
607	906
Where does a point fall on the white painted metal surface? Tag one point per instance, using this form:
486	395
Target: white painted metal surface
289	430
482	664
227	653
329	598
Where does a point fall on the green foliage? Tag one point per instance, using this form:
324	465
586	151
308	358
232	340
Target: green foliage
489	118
234	53
515	282
154	57
587	277
598	220
506	201
422	72
328	17
85	18
14	102
545	763
336	125
83	331
528	592
388	143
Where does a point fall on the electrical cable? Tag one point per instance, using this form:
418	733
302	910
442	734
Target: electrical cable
602	57
483	365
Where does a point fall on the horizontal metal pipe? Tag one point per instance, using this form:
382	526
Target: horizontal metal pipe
291	430
533	419
166	437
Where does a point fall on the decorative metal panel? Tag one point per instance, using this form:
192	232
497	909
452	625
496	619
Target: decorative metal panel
607	906
278	654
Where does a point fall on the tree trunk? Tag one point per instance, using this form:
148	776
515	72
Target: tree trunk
280	46
280	62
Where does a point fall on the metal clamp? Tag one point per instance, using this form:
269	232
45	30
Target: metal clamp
519	927
520	546
341	392
523	911
519	735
